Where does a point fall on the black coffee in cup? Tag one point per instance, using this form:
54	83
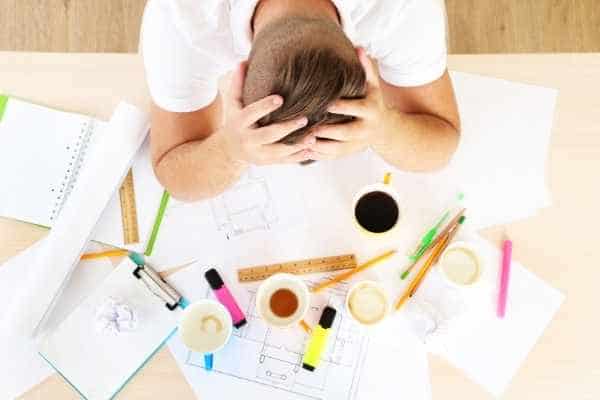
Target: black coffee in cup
377	212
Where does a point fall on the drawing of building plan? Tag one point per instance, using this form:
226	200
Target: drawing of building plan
260	361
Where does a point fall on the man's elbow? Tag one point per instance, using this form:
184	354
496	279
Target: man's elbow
171	182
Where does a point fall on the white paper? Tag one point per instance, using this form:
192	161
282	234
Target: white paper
20	365
147	193
41	150
119	143
488	349
259	361
97	363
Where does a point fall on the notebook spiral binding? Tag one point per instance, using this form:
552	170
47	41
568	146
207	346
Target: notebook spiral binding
76	160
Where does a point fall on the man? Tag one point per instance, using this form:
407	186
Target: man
304	87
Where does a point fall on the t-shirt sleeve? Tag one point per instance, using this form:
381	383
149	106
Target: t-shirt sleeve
414	50
180	78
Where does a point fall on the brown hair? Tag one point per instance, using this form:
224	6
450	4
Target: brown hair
310	72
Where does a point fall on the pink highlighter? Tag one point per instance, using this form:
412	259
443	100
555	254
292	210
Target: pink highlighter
224	296
504	278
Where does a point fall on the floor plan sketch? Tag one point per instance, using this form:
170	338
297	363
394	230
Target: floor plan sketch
247	206
269	357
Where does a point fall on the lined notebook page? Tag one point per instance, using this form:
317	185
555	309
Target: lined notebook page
41	153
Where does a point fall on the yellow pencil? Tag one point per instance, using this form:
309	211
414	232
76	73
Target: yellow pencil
354	271
102	254
305	326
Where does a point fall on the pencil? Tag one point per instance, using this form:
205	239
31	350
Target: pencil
164	200
304	326
102	254
354	271
453	222
433	258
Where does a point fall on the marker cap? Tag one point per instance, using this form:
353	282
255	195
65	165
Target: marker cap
214	279
327	317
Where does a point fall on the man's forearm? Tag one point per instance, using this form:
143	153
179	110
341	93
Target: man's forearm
417	142
198	169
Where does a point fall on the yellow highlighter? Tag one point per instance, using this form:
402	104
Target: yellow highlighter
318	339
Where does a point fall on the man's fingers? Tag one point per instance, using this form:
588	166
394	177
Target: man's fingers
298	157
369	68
275	132
334	148
353	107
348	132
255	111
278	151
236	86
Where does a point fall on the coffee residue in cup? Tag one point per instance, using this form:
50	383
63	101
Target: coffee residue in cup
283	303
211	324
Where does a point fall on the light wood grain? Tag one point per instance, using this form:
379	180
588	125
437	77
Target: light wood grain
70	25
523	26
560	244
476	26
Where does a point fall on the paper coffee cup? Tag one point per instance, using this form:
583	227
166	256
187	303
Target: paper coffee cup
205	326
461	265
282	300
367	303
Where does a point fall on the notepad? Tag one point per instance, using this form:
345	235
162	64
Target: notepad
98	363
41	153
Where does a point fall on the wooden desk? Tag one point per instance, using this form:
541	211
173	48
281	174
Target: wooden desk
561	244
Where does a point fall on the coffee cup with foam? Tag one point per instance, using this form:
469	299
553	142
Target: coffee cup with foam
205	327
367	303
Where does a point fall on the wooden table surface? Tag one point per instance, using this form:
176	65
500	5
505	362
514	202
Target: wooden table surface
561	244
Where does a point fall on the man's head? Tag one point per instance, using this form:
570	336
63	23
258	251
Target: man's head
310	63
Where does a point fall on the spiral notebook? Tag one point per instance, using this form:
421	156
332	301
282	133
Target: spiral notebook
41	153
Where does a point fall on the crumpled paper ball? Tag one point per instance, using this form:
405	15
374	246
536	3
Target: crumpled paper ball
114	317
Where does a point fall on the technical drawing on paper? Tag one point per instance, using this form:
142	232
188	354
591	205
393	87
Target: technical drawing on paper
247	206
273	357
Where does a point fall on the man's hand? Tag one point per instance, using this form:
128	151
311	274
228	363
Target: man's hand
338	140
247	143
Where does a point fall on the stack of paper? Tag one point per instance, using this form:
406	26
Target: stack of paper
20	365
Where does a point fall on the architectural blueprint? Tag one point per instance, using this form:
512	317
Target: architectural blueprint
260	360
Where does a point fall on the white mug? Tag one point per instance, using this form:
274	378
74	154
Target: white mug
205	326
466	275
276	285
367	297
384	187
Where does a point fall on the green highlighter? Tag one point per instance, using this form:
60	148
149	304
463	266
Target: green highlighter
318	339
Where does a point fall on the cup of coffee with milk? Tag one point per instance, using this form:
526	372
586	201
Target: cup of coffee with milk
205	327
282	300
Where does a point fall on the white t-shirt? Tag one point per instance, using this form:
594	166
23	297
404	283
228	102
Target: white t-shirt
187	45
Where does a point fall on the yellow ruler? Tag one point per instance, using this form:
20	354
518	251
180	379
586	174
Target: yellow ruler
310	266
129	220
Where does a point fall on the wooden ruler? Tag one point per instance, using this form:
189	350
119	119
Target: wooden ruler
129	219
310	266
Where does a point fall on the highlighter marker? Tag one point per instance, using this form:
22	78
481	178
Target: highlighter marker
224	296
318	339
